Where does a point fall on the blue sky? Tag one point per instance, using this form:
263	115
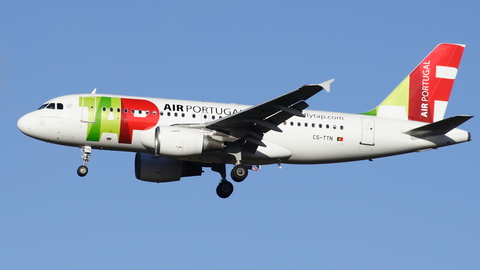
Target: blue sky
416	211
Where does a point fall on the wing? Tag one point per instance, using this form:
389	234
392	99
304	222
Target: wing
252	123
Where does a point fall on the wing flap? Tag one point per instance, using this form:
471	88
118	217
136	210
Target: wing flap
266	124
290	110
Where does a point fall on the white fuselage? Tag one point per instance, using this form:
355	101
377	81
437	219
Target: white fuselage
125	123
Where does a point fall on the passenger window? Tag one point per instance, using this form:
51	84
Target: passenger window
327	126
341	127
334	126
168	113
213	117
125	110
291	123
154	112
193	116
299	124
320	125
118	110
111	109
59	106
306	124
313	124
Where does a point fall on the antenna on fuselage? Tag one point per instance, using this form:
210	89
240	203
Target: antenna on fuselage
94	91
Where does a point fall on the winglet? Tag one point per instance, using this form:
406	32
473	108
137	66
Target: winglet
94	91
326	85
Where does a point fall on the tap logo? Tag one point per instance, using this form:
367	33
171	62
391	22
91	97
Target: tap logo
120	116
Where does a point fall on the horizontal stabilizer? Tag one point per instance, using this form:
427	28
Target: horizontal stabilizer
440	127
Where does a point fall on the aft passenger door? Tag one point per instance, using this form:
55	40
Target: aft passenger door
368	131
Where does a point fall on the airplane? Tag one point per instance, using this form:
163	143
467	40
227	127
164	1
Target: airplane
178	138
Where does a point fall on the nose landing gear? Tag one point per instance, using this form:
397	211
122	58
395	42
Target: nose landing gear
83	170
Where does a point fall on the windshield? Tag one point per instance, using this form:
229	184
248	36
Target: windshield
59	106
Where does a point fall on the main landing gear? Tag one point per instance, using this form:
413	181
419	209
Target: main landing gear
224	189
238	174
83	170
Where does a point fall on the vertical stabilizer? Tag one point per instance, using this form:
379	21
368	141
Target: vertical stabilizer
423	95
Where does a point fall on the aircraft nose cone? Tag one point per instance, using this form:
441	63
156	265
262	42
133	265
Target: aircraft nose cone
23	124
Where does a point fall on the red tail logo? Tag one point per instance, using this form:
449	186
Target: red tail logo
432	81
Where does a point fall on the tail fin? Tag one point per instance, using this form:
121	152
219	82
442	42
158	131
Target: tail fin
423	95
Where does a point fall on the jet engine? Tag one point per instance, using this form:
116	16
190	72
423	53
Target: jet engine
152	168
180	141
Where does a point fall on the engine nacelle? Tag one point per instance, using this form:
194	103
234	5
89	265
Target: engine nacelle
151	168
180	141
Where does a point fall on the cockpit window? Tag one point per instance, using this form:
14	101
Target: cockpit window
51	106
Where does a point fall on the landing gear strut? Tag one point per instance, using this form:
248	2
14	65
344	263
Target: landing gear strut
83	170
